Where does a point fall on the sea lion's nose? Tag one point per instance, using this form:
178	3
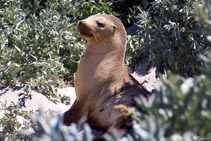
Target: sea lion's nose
80	23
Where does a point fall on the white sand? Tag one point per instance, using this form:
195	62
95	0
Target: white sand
37	101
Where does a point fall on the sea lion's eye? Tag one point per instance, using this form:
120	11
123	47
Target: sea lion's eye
100	24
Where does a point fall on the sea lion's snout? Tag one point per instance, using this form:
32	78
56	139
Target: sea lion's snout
84	29
80	23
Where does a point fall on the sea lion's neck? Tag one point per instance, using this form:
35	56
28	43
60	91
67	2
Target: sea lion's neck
106	47
105	54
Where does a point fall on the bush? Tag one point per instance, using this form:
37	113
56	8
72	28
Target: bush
14	121
168	32
181	106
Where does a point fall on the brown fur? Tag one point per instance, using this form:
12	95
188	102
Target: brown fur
102	81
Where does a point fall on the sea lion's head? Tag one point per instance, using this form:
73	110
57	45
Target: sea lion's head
102	28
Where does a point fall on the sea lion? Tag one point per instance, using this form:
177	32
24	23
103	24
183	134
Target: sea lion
102	81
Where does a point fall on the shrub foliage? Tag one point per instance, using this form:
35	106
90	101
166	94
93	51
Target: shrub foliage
169	35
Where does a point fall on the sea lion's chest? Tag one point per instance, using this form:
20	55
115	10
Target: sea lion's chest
92	71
